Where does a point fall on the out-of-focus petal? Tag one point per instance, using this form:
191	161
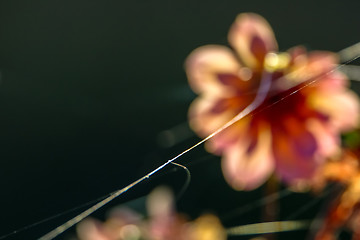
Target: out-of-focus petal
252	38
321	67
207	227
321	61
318	66
121	224
90	229
205	117
160	203
333	81
294	149
328	142
297	54
229	137
205	64
246	170
342	107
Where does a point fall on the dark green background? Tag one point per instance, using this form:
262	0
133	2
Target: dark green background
87	86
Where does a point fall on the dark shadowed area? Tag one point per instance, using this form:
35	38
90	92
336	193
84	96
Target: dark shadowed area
89	87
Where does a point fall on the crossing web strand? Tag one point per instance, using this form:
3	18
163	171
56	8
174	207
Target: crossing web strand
259	98
289	223
28	227
20	230
263	201
268	227
331	189
347	55
350	53
263	89
187	180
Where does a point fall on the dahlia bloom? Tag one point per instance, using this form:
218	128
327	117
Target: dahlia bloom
290	136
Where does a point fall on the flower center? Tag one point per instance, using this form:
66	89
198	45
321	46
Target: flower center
276	61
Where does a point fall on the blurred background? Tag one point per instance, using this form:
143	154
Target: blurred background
93	95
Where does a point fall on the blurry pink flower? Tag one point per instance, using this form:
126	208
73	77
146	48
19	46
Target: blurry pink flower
123	224
163	223
291	137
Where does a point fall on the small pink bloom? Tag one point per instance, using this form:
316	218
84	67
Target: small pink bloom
163	223
292	136
122	224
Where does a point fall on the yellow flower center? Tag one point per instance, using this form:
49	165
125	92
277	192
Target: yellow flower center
276	61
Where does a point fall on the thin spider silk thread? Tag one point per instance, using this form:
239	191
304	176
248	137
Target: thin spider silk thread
186	183
287	224
178	196
264	88
255	204
268	227
52	217
262	91
259	98
57	231
331	189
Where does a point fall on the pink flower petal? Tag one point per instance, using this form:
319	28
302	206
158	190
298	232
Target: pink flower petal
342	107
327	140
201	118
245	170
207	115
91	229
333	82
205	63
294	149
229	137
252	38
318	66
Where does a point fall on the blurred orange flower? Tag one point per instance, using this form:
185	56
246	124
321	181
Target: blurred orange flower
343	211
290	136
